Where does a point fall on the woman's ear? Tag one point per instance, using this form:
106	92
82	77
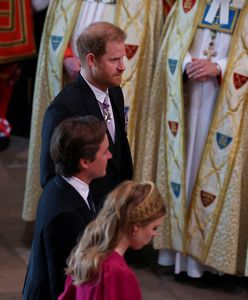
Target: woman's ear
135	229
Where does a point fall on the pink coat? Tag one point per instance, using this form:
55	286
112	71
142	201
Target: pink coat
116	282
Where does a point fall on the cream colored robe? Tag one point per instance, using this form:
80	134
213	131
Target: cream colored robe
214	229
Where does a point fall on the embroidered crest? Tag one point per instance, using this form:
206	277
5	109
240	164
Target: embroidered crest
239	80
172	65
130	50
56	40
176	187
173	127
223	140
188	5
207	198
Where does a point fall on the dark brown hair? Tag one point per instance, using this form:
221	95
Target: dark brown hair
75	138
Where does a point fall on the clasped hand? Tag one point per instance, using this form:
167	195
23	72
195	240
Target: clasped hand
201	69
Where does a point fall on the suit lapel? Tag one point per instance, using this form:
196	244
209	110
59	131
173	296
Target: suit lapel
116	109
83	207
93	108
89	100
79	202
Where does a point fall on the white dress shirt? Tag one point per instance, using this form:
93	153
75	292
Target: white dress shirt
80	186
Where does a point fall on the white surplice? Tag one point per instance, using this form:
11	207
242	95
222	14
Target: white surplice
91	12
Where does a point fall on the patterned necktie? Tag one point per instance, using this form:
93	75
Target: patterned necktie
108	118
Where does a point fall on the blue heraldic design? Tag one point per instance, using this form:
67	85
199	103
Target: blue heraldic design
176	187
223	140
172	65
56	40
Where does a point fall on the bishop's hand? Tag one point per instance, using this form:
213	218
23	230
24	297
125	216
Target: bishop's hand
201	69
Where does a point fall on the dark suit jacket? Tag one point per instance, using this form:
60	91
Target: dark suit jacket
78	99
62	216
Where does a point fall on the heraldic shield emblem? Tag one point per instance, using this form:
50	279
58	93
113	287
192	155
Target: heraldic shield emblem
188	5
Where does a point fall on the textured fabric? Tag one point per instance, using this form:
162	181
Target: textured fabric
16	31
198	120
116	281
215	233
16	43
151	22
142	21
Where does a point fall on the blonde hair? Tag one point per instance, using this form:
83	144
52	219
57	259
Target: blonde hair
127	204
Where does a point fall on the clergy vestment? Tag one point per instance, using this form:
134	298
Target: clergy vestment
196	141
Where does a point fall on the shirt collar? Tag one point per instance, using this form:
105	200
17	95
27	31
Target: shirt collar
99	94
79	185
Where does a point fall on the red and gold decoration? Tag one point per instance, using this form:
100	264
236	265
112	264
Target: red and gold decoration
173	127
16	30
131	50
207	198
239	80
188	5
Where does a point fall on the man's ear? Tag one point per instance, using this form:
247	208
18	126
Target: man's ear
84	163
90	58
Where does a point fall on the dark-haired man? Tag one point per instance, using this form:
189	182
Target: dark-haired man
80	152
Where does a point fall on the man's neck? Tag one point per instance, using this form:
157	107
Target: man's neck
83	178
90	80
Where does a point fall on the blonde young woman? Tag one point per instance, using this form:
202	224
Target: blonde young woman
96	268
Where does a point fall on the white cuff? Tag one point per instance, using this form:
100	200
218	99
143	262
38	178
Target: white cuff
222	63
187	59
